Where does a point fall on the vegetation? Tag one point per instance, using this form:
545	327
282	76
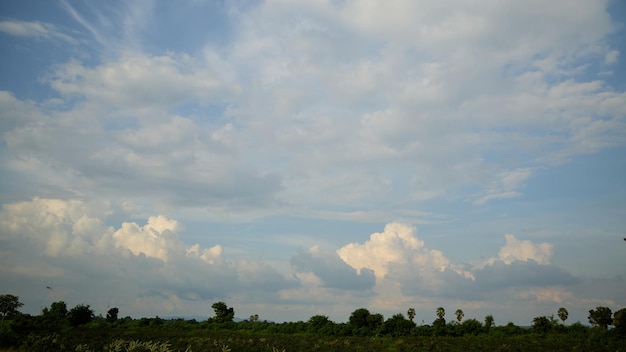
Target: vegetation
78	329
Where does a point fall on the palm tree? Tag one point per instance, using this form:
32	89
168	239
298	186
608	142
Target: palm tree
459	315
441	312
410	313
563	314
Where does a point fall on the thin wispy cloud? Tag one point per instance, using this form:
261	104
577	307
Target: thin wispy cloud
39	30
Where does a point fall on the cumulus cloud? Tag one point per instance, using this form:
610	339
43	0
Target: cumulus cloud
156	239
524	250
397	254
332	271
71	239
399	259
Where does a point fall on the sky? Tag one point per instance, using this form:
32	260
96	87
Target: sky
294	158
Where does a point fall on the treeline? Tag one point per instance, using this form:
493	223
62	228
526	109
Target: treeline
74	326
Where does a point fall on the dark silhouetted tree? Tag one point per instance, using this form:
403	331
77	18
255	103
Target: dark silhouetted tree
601	317
619	321
542	325
398	325
318	324
80	315
459	315
58	310
441	313
488	322
410	313
470	327
112	314
563	314
9	305
362	322
222	312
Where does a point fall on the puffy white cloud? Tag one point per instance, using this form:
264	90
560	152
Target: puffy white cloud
71	240
156	239
56	226
397	244
524	250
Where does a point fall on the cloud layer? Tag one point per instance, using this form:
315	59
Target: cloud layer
190	159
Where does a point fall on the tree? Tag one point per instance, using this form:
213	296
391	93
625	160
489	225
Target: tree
112	314
358	318
317	323
441	313
459	315
488	322
410	313
563	314
601	317
542	324
362	322
619	321
80	315
398	325
439	325
222	312
58	310
470	327
9	305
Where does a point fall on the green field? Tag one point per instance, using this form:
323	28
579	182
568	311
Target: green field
197	337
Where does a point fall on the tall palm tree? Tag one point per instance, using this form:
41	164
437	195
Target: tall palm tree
563	314
410	313
441	312
459	315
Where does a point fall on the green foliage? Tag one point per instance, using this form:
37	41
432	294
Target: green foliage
364	323
619	321
222	312
79	315
364	331
459	315
410	313
9	305
112	314
398	325
601	317
319	324
470	327
489	322
542	325
563	314
441	313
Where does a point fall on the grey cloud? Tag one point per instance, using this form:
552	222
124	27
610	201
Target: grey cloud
489	280
333	271
521	274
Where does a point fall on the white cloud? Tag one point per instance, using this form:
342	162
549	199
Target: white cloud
525	250
72	241
503	195
322	110
397	244
34	29
138	81
157	239
611	57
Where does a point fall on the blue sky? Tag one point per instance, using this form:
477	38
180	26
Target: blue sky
294	158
